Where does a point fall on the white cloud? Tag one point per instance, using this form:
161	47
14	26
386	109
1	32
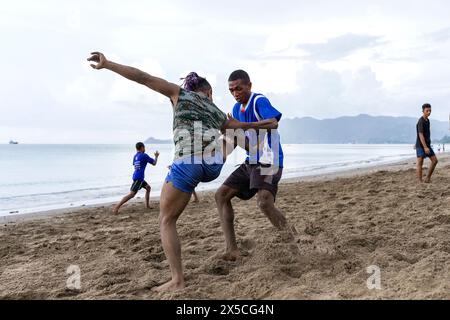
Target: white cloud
339	47
377	57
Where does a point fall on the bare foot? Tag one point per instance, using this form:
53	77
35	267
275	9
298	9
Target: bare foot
427	180
115	210
231	255
169	286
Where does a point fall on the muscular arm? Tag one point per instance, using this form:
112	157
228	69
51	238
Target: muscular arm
267	124
162	86
243	142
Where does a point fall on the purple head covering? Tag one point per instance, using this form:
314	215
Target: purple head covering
191	81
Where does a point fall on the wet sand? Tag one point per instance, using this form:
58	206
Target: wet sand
346	223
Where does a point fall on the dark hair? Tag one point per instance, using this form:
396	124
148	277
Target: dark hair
139	146
239	75
426	106
193	82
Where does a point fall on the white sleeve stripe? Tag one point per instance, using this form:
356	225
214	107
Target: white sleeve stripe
254	107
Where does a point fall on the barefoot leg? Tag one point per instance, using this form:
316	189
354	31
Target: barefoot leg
125	199
173	202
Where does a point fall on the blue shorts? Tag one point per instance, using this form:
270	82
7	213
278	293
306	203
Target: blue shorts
421	153
186	175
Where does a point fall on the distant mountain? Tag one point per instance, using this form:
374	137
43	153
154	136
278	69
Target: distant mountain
152	140
358	129
445	139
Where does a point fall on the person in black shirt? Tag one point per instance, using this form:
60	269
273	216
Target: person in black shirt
423	144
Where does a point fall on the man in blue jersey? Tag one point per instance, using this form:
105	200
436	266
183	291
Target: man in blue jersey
140	161
262	170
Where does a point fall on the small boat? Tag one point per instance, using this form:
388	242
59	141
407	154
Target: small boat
13	142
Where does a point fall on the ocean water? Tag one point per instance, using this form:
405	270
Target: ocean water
36	178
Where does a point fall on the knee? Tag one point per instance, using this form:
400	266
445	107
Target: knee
265	204
435	161
221	196
166	216
166	219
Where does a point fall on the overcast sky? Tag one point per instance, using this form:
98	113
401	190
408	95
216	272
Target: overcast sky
322	59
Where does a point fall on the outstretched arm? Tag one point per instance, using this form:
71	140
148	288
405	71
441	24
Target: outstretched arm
162	86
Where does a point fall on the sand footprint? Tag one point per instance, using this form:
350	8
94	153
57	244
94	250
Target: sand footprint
217	267
248	244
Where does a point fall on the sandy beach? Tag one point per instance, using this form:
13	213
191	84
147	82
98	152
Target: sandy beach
346	222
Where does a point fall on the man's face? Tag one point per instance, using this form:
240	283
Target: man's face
427	112
240	90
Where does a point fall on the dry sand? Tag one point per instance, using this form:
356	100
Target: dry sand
368	217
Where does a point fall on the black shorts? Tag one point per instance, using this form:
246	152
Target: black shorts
247	179
138	185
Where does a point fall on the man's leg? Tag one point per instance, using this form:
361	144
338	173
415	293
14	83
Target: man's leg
223	198
419	169
266	202
125	199
173	202
147	196
434	162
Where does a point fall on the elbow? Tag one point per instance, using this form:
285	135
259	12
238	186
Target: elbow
143	78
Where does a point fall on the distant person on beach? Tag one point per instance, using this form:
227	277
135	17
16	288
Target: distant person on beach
423	144
140	161
262	170
199	156
195	196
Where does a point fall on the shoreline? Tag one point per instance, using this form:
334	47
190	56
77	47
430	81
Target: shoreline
327	176
30	201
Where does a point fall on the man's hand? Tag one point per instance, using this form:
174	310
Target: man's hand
232	123
99	58
156	154
427	150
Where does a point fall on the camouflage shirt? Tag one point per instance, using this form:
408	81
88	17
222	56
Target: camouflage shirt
196	124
